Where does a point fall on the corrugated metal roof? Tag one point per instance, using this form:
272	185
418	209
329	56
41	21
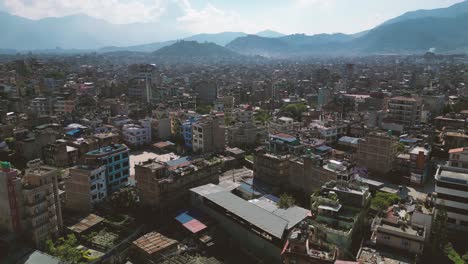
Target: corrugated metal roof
262	219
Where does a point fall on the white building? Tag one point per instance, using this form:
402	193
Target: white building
137	134
452	192
328	131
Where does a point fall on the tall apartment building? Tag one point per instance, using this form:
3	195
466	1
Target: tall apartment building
377	152
42	207
405	110
206	91
11	201
208	135
85	187
452	189
137	134
115	159
64	106
30	205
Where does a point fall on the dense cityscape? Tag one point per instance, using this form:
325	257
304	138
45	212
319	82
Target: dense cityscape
199	153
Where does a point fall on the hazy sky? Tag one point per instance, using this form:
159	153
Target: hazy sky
211	16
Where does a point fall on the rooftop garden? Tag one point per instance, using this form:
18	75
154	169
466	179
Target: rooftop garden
383	200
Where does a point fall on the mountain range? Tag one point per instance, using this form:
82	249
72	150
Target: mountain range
444	29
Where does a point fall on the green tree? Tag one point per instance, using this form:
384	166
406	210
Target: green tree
383	200
263	117
203	109
65	249
286	201
453	255
294	110
439	230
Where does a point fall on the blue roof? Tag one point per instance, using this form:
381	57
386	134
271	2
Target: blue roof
287	139
323	148
184	218
248	188
176	162
73	132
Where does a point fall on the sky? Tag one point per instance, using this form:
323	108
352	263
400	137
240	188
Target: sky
250	16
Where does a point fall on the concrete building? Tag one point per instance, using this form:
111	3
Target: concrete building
40	106
137	134
55	154
86	186
272	169
414	165
206	91
187	131
327	130
405	110
208	135
42	206
377	152
63	106
245	135
284	125
115	158
165	185
257	226
11	199
452	193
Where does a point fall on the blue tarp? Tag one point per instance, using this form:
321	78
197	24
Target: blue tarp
184	218
73	132
271	197
172	163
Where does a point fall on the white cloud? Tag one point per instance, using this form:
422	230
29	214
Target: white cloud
115	11
211	19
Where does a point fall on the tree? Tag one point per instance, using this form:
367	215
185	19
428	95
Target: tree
124	200
439	230
203	109
286	201
65	249
263	117
383	200
294	110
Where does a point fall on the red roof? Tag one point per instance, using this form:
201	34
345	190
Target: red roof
284	135
194	226
456	150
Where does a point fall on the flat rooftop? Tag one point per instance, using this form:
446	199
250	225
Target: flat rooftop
452	175
86	223
108	149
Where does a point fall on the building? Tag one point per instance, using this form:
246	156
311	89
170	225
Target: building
414	164
206	91
305	246
339	210
42	208
272	169
63	106
405	110
283	143
208	135
40	106
11	199
284	125
56	154
115	158
452	193
328	130
245	135
377	152
86	187
137	134
164	185
187	131
399	235
258	226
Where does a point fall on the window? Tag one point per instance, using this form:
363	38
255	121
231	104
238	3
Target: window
94	197
454	164
405	243
93	187
386	237
125	164
451	220
455	156
116	158
117	167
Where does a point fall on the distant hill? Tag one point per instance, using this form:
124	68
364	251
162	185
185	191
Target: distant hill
270	34
221	39
75	32
448	12
188	50
255	45
416	35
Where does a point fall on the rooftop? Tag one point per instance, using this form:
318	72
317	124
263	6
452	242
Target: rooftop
108	149
452	175
86	223
153	243
373	256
